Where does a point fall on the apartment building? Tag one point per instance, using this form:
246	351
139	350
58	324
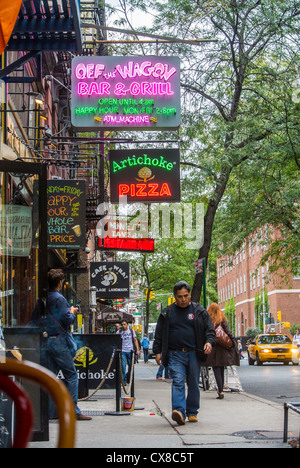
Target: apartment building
241	277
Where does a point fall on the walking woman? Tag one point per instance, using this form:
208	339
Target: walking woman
221	357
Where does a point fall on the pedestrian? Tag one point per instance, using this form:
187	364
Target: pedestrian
220	356
296	338
61	347
129	347
184	337
145	345
240	348
160	372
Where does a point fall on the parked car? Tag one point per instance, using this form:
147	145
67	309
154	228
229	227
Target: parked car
273	347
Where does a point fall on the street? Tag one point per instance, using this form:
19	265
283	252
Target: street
271	381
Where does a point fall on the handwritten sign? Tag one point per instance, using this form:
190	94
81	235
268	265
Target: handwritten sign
66	214
16	230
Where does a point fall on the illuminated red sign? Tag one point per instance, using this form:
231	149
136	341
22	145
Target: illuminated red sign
141	245
125	92
145	175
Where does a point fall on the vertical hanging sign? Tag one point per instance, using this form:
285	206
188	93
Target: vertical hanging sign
136	93
66	214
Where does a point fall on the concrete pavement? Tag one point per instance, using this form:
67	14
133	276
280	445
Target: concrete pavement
240	420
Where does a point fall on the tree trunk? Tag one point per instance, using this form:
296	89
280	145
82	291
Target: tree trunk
208	228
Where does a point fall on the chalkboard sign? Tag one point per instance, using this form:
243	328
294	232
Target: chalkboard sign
66	214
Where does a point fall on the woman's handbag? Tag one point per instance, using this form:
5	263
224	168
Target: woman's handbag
222	338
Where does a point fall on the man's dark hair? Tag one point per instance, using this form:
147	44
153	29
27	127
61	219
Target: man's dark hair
180	285
54	277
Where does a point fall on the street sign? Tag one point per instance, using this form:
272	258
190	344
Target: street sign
199	265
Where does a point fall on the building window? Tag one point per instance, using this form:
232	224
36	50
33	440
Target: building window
297	272
245	284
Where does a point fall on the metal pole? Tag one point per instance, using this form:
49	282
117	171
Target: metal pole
132	383
286	419
118	381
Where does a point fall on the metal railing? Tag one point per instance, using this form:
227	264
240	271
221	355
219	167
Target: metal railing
294	407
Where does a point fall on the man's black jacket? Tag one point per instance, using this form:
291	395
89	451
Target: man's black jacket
204	332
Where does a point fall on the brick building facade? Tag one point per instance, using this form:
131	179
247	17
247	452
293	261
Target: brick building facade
241	277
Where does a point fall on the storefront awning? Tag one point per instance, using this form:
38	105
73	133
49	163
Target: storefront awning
115	316
8	16
52	25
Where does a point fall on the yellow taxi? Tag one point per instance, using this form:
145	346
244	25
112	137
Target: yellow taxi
273	347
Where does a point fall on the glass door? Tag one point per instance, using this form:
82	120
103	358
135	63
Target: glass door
23	273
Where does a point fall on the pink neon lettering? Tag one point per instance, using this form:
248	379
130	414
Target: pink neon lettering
127	119
158	70
90	70
84	88
130	70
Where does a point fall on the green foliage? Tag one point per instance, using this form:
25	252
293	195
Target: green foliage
231	315
239	134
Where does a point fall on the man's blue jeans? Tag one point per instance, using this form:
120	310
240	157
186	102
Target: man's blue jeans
183	365
59	358
126	359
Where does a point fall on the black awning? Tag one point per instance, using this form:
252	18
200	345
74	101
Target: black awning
52	25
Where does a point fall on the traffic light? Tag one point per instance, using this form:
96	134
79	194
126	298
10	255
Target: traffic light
286	325
150	293
171	300
279	316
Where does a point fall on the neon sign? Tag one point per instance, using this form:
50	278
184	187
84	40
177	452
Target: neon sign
131	92
126	244
145	175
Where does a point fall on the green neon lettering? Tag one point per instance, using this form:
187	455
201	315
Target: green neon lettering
144	160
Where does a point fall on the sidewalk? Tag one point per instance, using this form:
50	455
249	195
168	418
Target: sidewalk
239	421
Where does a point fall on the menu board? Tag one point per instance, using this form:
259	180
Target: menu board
66	212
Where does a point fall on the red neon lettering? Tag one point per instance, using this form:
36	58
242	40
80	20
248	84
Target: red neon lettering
145	190
140	188
123	189
165	190
152	192
127	244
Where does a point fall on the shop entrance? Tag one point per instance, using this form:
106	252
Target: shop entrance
23	272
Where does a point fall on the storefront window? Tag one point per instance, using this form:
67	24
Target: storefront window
23	278
18	254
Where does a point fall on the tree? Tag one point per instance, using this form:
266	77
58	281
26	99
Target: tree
239	115
236	84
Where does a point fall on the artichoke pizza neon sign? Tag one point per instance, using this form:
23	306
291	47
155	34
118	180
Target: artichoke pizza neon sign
145	175
126	92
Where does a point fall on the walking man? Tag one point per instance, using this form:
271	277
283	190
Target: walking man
145	345
184	337
129	346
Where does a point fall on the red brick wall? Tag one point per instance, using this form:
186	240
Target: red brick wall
283	296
